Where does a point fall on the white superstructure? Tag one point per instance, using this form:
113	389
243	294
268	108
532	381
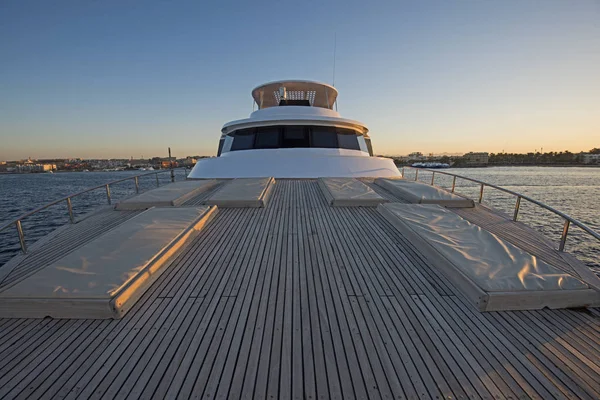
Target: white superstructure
295	133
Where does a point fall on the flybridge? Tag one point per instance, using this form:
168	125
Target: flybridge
295	92
296	132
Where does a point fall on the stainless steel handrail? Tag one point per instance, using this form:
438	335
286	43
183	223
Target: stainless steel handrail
568	219
135	178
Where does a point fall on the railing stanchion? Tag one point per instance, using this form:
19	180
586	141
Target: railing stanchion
453	183
563	238
432	178
157	184
21	236
517	205
171	166
416	175
137	184
481	194
70	208
108	194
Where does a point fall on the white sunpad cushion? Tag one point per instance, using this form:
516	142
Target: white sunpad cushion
492	263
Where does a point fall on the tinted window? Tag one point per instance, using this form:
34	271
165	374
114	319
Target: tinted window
295	136
221	142
347	139
322	136
294	103
267	137
272	137
243	140
368	142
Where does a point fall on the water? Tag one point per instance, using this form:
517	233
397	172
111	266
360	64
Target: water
575	191
20	193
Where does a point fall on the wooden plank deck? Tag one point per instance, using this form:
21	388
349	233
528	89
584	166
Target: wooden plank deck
303	300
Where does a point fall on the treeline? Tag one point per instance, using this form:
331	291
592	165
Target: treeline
537	158
552	157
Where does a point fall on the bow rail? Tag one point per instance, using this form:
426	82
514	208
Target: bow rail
67	199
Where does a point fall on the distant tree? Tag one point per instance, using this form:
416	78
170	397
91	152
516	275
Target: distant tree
595	150
459	162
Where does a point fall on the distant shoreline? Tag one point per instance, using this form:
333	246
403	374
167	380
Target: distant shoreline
516	165
533	165
70	171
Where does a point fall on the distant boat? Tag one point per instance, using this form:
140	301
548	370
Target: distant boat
141	169
430	165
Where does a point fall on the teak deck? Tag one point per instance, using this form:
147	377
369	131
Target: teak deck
303	300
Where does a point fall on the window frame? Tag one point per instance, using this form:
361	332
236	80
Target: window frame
333	130
279	136
309	131
306	131
344	132
236	133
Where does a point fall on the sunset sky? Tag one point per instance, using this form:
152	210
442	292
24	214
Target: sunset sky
114	79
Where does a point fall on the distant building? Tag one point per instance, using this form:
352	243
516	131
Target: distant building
163	163
141	163
402	158
476	159
30	167
188	161
590	158
169	164
110	164
417	155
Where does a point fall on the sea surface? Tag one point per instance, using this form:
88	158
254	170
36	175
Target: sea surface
572	190
20	193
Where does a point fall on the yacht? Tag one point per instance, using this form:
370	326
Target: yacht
294	133
296	264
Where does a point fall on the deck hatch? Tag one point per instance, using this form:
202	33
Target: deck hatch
172	195
243	192
341	192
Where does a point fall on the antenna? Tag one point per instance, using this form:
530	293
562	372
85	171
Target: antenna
334	48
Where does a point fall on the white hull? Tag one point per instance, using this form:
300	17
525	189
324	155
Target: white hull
294	163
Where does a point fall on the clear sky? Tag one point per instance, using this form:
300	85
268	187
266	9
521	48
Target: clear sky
130	78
